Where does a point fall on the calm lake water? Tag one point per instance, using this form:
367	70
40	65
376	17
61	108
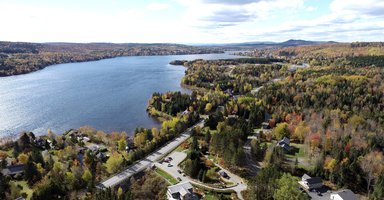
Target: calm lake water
110	94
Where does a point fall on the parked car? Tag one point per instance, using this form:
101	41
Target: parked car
170	165
178	178
179	171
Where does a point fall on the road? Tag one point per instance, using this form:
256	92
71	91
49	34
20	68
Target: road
178	157
147	161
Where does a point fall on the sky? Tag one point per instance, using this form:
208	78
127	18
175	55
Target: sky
191	21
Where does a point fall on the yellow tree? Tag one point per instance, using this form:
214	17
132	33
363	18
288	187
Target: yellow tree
208	107
122	144
155	133
114	162
23	158
301	131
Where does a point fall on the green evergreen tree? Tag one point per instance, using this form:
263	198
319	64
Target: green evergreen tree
288	189
31	174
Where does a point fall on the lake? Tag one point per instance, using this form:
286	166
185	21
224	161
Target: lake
110	95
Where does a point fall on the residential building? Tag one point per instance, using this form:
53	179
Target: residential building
344	195
284	143
13	170
265	125
183	190
311	182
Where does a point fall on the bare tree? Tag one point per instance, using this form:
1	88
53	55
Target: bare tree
373	166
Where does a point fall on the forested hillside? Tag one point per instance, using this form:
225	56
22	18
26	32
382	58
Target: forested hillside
355	54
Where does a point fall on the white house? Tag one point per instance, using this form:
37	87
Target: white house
183	190
311	182
344	195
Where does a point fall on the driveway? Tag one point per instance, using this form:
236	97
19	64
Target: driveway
178	157
325	194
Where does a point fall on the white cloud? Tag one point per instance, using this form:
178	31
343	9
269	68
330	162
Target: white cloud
158	6
195	21
311	8
358	7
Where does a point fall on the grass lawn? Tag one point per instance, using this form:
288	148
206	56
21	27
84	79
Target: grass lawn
25	189
216	197
10	153
257	130
210	197
165	175
299	154
181	147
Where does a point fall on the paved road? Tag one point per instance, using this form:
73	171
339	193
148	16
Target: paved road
147	161
178	157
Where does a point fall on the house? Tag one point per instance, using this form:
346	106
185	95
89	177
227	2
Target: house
83	138
232	117
284	143
185	112
13	170
183	190
265	125
93	147
311	182
344	195
51	145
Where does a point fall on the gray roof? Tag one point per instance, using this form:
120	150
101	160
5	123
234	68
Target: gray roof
13	169
347	195
183	188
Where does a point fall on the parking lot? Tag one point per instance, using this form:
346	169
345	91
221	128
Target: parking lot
172	166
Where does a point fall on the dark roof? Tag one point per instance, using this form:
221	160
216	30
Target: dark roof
13	169
286	147
347	195
314	180
285	140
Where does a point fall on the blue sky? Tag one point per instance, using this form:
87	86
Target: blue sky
191	21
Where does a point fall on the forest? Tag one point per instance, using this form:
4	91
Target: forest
339	54
232	77
336	103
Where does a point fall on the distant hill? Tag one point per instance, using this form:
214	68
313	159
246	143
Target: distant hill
268	44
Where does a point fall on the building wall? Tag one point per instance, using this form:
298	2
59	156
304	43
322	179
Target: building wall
336	197
315	186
